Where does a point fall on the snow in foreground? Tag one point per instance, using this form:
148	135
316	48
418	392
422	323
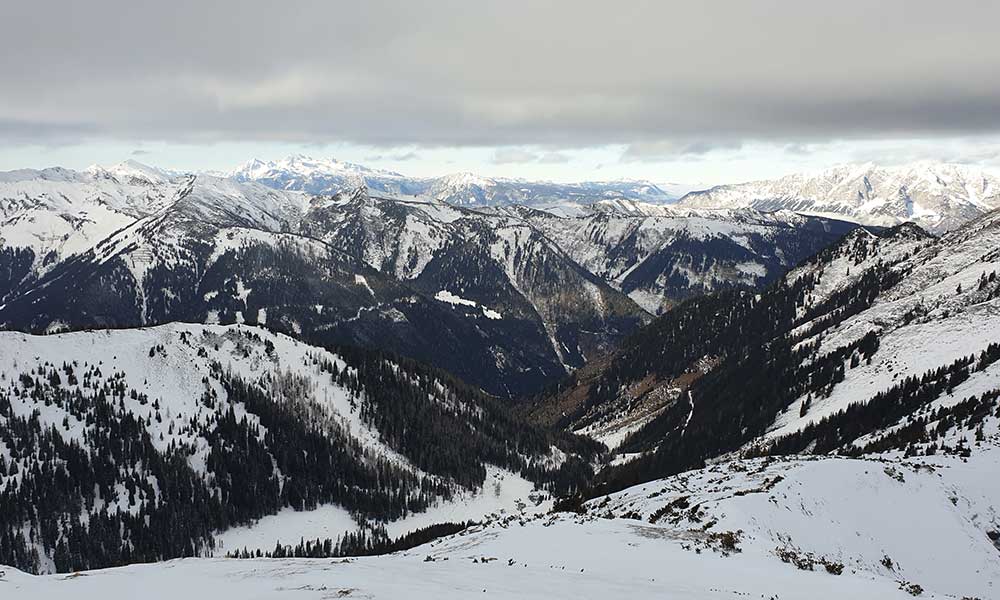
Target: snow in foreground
816	528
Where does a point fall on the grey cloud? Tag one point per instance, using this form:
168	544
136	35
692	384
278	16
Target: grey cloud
517	73
551	158
396	157
517	155
798	149
504	156
27	131
672	149
965	151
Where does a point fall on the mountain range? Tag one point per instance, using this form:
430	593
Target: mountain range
328	176
506	297
937	196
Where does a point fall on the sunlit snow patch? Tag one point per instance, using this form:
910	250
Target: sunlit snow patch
446	296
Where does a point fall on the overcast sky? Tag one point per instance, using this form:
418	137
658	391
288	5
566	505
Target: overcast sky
667	91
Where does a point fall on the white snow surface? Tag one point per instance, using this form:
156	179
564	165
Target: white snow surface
454	299
501	495
928	516
66	212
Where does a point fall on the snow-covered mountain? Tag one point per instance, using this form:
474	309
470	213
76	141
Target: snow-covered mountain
329	176
496	264
520	295
48	215
226	251
937	196
467	189
230	252
324	176
868	345
119	446
660	255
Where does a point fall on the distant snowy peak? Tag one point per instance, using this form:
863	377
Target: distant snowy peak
320	175
131	172
466	189
303	166
938	196
329	176
467	178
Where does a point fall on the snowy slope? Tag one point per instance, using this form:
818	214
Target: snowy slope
942	310
937	196
178	373
176	395
55	213
822	528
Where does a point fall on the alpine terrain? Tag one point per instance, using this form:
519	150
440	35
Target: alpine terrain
562	300
506	299
260	391
936	196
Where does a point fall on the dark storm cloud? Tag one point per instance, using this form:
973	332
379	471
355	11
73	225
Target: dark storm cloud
553	74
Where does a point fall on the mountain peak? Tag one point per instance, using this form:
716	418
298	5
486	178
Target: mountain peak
132	172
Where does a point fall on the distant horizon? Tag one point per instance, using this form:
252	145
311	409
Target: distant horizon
400	169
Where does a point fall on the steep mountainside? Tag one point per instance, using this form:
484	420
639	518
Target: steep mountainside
938	197
870	345
138	445
659	255
498	266
45	216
